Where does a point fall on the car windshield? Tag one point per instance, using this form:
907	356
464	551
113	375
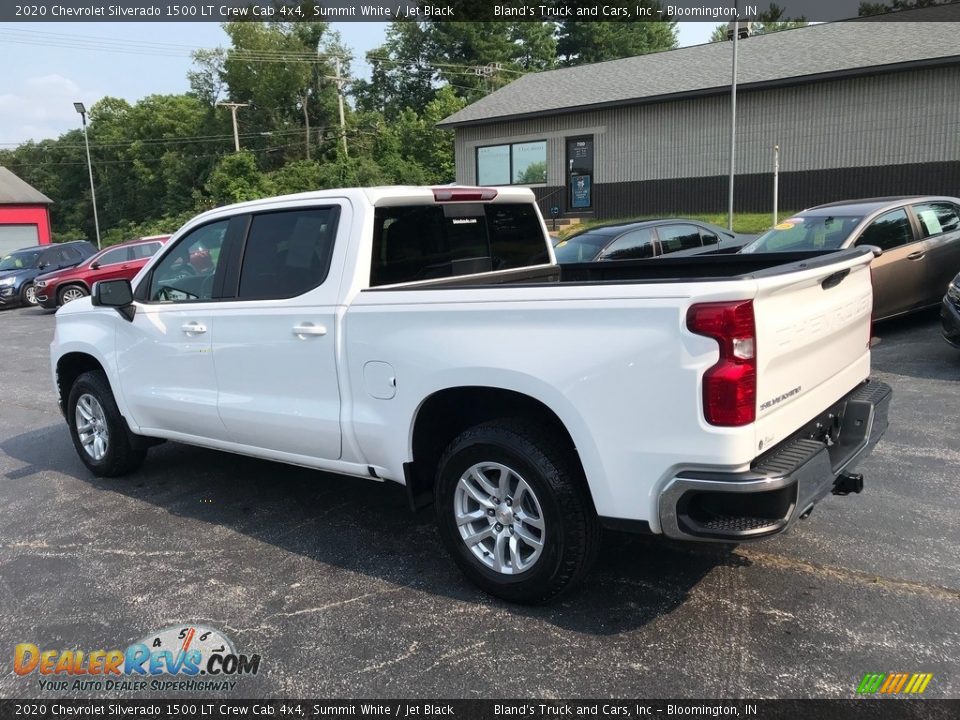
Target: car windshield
19	261
581	248
806	232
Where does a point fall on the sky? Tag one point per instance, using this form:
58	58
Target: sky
49	66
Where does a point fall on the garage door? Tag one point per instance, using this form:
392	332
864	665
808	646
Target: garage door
14	237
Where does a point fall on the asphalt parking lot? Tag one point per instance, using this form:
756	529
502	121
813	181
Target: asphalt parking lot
345	594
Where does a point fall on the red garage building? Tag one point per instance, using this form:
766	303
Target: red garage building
24	214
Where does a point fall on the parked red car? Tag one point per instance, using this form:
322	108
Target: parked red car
116	262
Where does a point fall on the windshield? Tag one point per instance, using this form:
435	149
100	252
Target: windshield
810	232
582	248
19	261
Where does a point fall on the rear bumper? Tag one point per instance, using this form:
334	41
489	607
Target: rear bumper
784	483
950	320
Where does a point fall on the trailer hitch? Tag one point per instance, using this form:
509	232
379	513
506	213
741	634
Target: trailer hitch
847	483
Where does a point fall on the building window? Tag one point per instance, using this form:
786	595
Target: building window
514	164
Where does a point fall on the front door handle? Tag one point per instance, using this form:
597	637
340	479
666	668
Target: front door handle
918	255
193	328
307	328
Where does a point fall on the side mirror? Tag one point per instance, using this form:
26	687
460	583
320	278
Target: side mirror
95	265
116	294
43	266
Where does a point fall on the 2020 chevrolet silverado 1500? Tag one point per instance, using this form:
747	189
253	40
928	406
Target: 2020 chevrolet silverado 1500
426	336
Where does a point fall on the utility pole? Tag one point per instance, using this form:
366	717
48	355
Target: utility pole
233	111
339	81
80	108
735	26
306	120
776	178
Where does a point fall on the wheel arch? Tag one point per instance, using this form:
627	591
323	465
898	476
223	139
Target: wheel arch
70	366
446	413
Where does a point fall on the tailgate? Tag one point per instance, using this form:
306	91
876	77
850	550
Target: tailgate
813	341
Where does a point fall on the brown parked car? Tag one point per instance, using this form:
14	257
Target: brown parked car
919	237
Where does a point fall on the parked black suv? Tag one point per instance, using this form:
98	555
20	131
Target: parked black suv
19	268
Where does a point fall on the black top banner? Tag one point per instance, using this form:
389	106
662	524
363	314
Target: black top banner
213	708
468	10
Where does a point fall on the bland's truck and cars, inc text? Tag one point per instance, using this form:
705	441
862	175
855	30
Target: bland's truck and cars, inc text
426	336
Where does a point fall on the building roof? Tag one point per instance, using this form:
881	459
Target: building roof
853	47
14	191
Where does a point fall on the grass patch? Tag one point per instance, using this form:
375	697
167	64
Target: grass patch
749	223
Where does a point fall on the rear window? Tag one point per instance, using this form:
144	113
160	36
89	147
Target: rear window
423	242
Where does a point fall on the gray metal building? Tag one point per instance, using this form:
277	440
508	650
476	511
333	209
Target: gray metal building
858	109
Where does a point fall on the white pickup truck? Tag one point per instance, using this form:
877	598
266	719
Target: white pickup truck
426	336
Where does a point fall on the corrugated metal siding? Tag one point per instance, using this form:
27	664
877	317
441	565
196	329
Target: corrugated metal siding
901	118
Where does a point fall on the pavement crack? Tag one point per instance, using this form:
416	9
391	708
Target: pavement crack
848	575
393	661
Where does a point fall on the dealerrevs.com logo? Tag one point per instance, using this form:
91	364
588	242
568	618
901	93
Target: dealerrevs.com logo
178	658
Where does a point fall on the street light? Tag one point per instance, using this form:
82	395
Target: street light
79	107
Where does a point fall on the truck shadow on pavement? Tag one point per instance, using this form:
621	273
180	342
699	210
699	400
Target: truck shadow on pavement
340	522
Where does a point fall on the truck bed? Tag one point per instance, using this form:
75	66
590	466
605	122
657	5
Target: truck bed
655	270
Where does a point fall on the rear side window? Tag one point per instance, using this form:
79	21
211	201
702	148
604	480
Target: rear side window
888	231
138	252
708	237
423	242
674	238
634	245
287	253
936	218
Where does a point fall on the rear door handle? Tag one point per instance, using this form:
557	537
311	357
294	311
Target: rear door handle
304	329
193	328
918	255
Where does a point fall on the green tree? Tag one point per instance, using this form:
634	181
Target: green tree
237	178
768	21
581	42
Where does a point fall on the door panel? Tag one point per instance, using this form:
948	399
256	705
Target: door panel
166	369
164	355
899	274
939	224
274	347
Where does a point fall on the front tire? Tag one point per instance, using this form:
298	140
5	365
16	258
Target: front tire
28	295
99	432
71	293
542	537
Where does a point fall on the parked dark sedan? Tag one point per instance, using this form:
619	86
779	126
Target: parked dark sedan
645	239
950	313
20	268
919	237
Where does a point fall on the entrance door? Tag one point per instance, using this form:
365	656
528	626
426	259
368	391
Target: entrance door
580	173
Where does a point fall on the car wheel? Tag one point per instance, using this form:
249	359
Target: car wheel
514	512
28	294
100	434
71	293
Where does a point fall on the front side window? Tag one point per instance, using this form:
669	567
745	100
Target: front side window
287	253
112	257
632	246
423	242
185	274
522	163
888	231
19	261
674	238
936	218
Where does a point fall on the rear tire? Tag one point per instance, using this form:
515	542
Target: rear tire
99	432
28	295
71	293
546	504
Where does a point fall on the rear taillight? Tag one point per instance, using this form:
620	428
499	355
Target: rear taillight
730	386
